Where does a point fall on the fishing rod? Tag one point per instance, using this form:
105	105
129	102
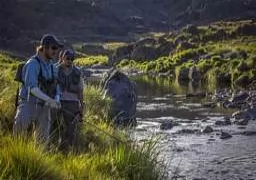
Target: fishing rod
77	116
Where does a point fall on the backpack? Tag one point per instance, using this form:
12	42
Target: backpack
18	78
18	75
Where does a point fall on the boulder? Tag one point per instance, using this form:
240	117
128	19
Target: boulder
166	125
144	53
207	129
224	122
249	133
224	77
241	96
197	95
194	74
188	131
249	114
243	67
124	97
165	48
183	74
123	52
243	80
209	104
242	122
225	135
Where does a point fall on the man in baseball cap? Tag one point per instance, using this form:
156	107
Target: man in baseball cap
50	40
39	90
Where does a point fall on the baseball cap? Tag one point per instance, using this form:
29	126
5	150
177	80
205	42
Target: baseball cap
50	40
69	53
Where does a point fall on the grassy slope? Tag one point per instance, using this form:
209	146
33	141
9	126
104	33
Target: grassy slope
222	47
97	155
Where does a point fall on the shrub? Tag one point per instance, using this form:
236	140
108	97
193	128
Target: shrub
90	60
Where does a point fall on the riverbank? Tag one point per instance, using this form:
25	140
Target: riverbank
221	52
96	155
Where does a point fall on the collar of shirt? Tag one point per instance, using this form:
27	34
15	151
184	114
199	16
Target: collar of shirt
45	63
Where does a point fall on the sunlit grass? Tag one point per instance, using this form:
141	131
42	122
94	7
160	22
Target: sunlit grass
101	151
91	60
218	45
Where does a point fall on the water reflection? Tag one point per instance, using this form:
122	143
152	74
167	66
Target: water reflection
190	154
159	86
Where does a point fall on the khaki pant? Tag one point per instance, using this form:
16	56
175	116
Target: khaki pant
28	113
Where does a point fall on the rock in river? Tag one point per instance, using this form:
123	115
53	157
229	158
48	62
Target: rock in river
223	122
124	97
166	125
207	129
225	135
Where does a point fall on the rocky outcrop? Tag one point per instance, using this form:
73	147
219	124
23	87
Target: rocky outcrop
183	74
123	93
207	129
225	135
166	125
247	29
194	74
94	49
121	53
144	53
245	101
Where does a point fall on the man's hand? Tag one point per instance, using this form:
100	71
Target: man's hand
52	103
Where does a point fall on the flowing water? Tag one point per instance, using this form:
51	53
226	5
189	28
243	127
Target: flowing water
191	154
186	152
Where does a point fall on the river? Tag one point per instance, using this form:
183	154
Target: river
189	154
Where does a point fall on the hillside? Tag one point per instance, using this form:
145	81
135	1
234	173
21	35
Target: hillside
24	21
221	52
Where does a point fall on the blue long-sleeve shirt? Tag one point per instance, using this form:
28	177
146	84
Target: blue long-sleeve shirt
30	74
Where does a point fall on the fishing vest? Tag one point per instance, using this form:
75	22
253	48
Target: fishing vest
71	82
48	86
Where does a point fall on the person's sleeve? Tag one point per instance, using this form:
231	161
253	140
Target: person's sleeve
31	74
39	94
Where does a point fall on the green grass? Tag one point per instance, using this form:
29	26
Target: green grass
114	45
220	45
101	151
24	159
91	60
8	91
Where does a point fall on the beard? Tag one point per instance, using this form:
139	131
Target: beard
68	65
50	55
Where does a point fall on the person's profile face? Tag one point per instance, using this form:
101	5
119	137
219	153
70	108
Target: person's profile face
51	52
68	61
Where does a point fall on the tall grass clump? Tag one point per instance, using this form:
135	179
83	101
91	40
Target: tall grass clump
8	91
22	159
91	60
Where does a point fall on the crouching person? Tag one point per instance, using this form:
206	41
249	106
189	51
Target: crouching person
38	90
71	86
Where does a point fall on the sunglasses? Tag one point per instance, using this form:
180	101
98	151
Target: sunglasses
70	59
54	48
